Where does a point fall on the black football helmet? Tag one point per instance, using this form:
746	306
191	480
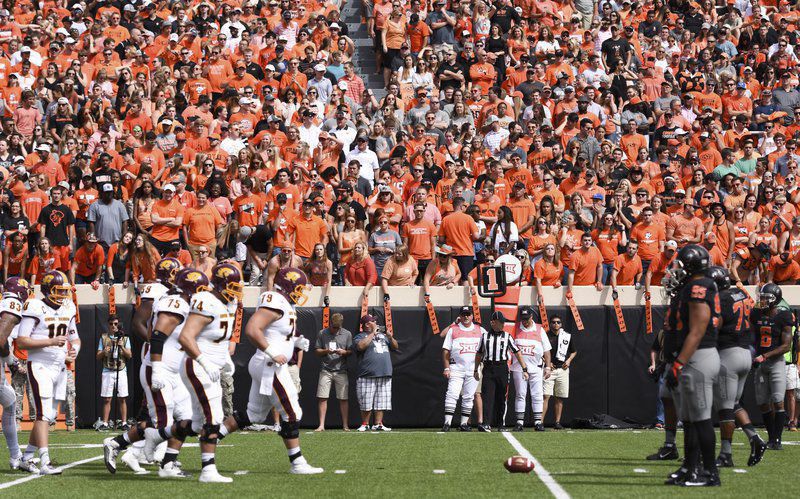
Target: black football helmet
721	276
769	295
691	259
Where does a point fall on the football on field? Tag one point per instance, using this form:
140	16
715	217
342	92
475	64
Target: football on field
519	464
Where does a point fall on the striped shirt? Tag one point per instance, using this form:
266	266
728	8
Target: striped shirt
495	346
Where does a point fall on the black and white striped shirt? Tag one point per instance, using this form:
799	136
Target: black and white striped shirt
495	346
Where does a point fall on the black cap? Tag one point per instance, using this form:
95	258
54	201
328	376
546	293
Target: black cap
465	311
498	316
525	313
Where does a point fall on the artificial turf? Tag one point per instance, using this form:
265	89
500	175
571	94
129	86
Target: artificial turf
402	463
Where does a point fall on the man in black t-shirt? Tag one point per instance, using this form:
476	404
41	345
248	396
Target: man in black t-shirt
259	249
616	50
57	223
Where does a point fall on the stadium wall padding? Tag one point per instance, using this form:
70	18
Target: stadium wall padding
609	375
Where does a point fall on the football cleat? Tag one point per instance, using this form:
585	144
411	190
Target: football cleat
485	428
678	477
363	427
665	453
172	470
213	476
703	479
724	461
774	445
304	469
558	426
132	461
446	427
538	426
110	451
465	427
519	427
757	449
46	469
380	427
21	464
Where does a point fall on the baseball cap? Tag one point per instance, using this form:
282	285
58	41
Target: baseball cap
320	67
741	84
43	147
63	100
498	316
169	187
444	249
671	244
91	237
173	37
384	188
525	313
597	196
109	188
519	185
465	311
367	319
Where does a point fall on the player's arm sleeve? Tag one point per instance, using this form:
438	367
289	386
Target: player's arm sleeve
26	326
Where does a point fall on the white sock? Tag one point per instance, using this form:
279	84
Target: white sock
10	432
295	456
448	418
30	450
44	455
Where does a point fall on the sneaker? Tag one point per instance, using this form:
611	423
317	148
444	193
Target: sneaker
465	427
538	426
665	453
774	445
519	427
47	469
151	440
678	477
757	449
792	426
363	428
172	470
213	476
558	426
110	451
724	461
380	427
132	461
704	479
485	428
446	427
101	426
304	469
125	426
659	426
21	464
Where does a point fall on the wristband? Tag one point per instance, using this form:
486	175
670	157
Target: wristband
271	352
524	369
446	368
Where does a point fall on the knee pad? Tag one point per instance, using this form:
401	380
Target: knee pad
726	415
182	430
241	418
210	433
140	432
289	430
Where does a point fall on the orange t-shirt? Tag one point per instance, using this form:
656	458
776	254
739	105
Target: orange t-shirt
683	227
201	224
40	266
457	229
648	237
418	234
549	273
607	243
88	263
307	233
584	264
248	209
627	269
166	209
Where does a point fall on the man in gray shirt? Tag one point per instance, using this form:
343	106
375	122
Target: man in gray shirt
374	381
442	23
585	138
786	97
107	217
333	346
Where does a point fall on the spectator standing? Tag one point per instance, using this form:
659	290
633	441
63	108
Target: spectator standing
118	256
374	381
399	270
419	235
88	263
306	230
15	256
44	260
319	269
107	217
557	384
360	270
203	225
382	243
586	265
442	271
248	208
259	251
458	230
627	268
333	346
114	351
33	200
167	218
57	223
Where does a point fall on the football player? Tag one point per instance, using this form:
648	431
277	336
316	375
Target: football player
460	345
166	269
15	293
45	329
531	338
205	337
772	323
272	329
733	343
696	362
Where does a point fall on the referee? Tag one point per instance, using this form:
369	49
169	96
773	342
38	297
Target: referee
494	353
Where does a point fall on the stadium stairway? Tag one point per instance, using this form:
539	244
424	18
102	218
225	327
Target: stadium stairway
364	56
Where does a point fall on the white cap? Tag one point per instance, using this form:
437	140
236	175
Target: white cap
166	121
69	40
335	25
63	100
18	159
681	131
25	48
62	31
174	37
320	67
43	147
671	244
108	188
342	85
492	119
77	6
269	67
169	187
129	8
244	100
64	184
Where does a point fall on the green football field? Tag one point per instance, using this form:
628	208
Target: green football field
408	463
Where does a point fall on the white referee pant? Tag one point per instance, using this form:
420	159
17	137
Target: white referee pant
534	385
461	384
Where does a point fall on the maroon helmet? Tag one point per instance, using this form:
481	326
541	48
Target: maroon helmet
17	287
292	283
226	279
166	268
56	287
190	281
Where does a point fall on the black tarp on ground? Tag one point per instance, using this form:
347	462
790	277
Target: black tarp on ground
608	376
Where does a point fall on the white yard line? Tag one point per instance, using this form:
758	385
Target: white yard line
544	475
28	478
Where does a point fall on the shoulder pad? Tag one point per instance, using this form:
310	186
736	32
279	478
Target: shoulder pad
173	304
12	306
274	300
33	308
205	303
153	290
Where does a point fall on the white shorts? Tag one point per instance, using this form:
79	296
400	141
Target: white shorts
206	395
49	386
792	381
557	384
284	394
107	385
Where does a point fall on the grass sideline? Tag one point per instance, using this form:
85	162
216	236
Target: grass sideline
402	463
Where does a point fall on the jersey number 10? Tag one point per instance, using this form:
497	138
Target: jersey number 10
60	330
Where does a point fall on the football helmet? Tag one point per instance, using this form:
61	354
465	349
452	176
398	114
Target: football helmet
690	260
292	283
166	268
721	276
769	295
226	279
56	287
17	287
190	281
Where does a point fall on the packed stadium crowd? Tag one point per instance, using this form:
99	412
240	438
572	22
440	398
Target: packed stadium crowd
589	139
